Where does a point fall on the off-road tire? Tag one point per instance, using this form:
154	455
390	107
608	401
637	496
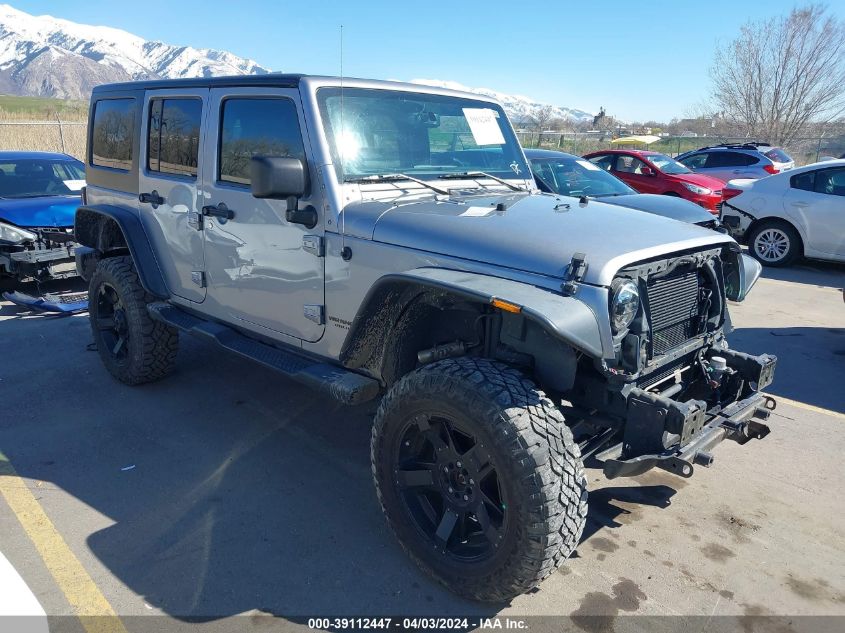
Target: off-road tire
539	461
151	346
778	229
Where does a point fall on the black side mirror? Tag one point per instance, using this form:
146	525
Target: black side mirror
278	177
283	178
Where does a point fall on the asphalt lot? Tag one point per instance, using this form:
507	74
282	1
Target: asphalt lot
225	490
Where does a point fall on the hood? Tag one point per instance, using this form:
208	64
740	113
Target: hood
666	206
699	179
536	233
46	211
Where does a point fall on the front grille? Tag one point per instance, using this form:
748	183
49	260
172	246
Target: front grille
673	304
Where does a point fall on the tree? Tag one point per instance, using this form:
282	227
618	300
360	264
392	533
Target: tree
780	75
541	119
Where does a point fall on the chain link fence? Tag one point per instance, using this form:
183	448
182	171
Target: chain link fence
44	136
803	150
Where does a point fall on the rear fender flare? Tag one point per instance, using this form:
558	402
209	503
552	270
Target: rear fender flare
111	230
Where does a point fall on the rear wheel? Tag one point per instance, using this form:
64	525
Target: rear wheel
479	477
774	243
133	347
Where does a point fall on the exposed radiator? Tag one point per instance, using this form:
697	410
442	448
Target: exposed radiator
673	310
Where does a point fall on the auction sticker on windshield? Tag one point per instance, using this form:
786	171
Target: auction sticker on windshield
484	125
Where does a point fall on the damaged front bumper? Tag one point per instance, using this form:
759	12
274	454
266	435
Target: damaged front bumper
672	435
46	263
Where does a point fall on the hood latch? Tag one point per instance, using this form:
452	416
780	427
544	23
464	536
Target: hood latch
574	273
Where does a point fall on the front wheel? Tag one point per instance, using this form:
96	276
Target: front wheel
479	477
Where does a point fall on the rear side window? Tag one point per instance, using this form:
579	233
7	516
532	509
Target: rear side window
256	127
830	182
803	181
730	159
173	136
111	136
694	161
605	162
778	155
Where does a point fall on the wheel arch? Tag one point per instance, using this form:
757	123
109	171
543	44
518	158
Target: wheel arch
387	318
110	231
775	219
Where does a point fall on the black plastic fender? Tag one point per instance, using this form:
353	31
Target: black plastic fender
90	230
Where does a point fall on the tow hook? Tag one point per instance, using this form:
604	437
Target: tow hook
703	458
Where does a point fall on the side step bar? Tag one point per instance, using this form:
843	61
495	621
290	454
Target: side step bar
342	385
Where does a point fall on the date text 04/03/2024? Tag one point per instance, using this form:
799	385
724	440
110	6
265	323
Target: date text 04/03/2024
423	623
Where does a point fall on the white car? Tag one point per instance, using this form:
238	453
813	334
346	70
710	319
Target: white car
799	213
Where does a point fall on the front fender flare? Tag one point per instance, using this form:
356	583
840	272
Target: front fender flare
565	318
91	231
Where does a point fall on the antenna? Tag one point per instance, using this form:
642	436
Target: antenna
345	254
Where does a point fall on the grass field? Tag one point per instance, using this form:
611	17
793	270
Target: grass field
36	108
32	123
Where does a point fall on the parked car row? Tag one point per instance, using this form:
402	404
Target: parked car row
781	219
568	175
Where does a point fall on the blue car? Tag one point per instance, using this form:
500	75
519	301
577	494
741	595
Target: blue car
39	195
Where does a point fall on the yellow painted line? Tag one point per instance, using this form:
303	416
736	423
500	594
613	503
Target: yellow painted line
89	604
809	407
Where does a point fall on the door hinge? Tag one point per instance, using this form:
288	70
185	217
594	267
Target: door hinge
314	313
198	277
195	220
313	244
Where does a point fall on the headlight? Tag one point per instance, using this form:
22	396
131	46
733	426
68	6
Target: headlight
702	191
624	304
13	234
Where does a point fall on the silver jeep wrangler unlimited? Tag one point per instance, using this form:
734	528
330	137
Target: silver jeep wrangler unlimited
373	239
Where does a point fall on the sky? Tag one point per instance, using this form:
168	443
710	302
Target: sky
640	60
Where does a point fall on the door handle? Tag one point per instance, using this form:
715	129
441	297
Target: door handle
151	198
220	211
799	204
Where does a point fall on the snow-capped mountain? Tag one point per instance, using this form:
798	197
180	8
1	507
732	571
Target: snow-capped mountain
47	56
519	108
51	57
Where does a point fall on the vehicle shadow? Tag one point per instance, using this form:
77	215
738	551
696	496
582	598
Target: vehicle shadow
614	507
227	490
811	361
811	272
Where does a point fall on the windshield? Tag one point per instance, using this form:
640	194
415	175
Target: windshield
667	165
31	178
375	132
578	177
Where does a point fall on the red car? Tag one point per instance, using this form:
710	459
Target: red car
653	172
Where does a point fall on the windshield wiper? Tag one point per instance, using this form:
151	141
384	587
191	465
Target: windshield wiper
393	178
34	195
474	175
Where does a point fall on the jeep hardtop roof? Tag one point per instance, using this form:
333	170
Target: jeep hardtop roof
280	80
